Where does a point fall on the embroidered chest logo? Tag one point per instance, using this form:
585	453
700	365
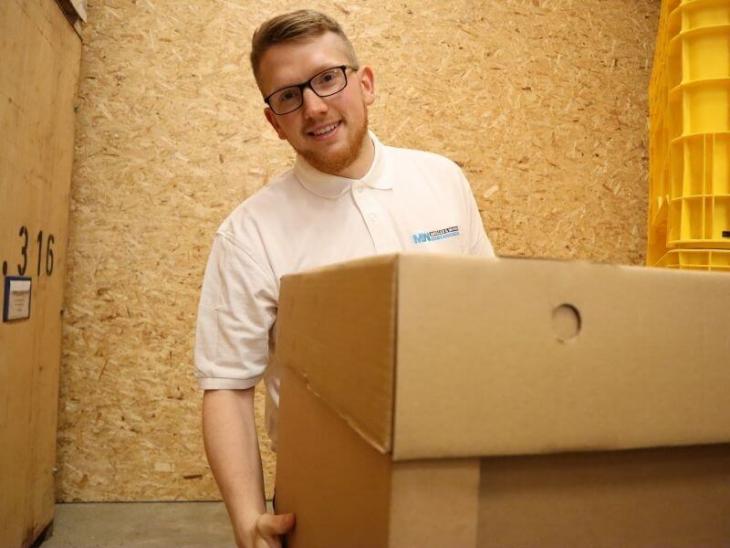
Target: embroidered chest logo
434	235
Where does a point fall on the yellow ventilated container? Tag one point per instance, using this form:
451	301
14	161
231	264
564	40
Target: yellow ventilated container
689	195
658	145
697	259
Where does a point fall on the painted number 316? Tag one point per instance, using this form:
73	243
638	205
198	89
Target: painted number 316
24	252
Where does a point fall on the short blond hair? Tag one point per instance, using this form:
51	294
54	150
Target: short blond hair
295	26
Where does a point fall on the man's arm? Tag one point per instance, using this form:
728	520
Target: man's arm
229	432
478	242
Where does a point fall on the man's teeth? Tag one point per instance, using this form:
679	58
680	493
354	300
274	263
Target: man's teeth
324	130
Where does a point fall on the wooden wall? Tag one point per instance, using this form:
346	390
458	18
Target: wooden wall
40	55
543	103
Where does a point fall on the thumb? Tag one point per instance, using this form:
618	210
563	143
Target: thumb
270	525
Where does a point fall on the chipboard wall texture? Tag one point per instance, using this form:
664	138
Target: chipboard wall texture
542	102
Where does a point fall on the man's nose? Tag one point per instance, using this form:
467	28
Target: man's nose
313	104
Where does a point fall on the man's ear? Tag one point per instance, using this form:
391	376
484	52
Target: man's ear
367	84
271	118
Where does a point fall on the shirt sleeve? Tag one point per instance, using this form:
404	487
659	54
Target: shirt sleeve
236	311
477	240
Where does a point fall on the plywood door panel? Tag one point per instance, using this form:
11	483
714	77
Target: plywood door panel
40	55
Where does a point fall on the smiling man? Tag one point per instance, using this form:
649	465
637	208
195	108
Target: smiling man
330	133
347	196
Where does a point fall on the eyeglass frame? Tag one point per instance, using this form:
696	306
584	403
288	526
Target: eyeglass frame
308	84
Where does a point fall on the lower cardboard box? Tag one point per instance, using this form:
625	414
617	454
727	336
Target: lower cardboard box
431	400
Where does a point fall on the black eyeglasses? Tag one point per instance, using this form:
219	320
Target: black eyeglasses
323	84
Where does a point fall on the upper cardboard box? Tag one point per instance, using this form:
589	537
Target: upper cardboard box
431	356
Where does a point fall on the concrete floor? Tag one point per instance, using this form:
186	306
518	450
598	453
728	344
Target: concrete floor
144	524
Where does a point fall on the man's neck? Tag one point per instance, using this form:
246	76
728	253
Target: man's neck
361	165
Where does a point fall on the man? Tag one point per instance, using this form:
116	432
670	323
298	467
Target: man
347	196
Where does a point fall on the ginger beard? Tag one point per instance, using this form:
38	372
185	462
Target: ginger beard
334	162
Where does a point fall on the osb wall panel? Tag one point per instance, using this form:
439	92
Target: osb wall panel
542	102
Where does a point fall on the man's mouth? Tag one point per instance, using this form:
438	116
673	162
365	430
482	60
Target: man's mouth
324	131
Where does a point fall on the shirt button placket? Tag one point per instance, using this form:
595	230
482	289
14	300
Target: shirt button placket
374	217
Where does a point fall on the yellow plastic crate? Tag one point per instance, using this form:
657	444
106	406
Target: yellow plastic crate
689	195
658	143
697	259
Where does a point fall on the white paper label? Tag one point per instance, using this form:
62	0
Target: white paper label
19	299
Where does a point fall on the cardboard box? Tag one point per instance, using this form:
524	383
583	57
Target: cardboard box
432	400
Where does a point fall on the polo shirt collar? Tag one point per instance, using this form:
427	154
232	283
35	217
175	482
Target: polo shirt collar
334	186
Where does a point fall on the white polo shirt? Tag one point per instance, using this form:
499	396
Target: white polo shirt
408	201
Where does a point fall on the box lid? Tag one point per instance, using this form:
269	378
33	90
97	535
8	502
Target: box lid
441	356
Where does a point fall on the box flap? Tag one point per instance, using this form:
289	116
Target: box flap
517	356
338	486
336	329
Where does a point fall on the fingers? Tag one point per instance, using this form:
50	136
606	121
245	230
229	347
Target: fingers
270	525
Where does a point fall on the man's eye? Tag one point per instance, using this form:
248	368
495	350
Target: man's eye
327	77
287	95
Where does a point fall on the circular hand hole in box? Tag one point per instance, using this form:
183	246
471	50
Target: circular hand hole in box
566	322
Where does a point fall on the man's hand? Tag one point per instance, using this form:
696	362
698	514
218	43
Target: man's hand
270	527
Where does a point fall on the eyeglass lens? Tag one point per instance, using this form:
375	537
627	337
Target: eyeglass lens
323	84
